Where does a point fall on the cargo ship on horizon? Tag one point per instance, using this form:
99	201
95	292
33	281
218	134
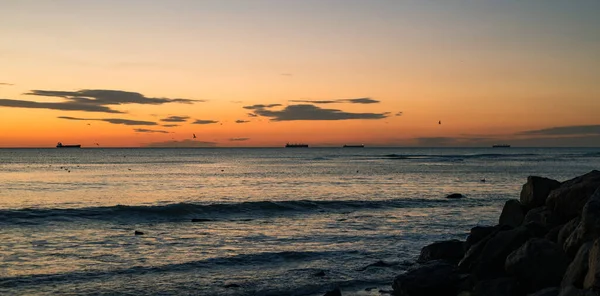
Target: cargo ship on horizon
60	145
288	145
501	146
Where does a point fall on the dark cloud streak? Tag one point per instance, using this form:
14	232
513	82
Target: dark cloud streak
201	121
311	112
112	120
175	119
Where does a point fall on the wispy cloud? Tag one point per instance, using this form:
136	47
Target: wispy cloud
311	112
201	121
352	101
4	83
175	119
565	131
90	100
170	125
261	106
252	115
112	120
242	121
239	139
143	130
182	144
399	113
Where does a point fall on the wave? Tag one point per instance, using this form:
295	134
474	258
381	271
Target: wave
209	212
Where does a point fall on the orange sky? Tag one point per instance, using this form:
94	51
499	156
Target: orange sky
524	73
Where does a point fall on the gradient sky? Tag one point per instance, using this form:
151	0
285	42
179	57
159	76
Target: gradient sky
323	72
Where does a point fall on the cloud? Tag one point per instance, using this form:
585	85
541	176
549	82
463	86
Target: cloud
242	121
200	121
565	131
236	102
143	130
7	84
239	139
352	101
287	74
261	106
175	119
182	144
399	113
252	115
90	100
170	125
112	120
65	106
311	112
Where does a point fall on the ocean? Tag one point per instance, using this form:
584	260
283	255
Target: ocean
269	221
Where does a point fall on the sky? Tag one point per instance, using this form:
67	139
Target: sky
263	73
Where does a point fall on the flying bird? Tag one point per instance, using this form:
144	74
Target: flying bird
440	122
194	135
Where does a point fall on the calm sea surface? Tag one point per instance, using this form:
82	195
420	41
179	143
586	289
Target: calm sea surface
271	219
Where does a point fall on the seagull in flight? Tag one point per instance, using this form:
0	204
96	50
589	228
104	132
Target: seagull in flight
194	135
440	122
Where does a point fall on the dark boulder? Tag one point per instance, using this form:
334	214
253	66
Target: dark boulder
552	291
452	250
567	201
592	279
334	292
512	213
138	233
536	190
578	268
490	263
497	287
478	233
588	228
567	229
572	291
455	196
201	220
537	264
541	215
430	279
552	235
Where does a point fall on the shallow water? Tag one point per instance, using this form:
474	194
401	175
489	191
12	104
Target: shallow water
272	218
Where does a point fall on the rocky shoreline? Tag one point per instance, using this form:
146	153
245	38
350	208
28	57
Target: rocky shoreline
546	243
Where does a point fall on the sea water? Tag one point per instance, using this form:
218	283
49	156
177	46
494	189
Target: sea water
271	221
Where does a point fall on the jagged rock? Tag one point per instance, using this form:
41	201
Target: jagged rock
567	201
552	291
490	263
572	291
578	268
592	279
431	279
478	233
588	228
455	196
334	292
536	190
552	235
512	213
540	215
537	264
138	233
566	230
497	287
452	250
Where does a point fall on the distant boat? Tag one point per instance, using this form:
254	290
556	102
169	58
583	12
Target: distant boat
501	146
354	146
288	145
60	145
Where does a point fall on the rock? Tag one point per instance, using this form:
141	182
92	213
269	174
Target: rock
138	233
379	263
552	235
231	286
566	230
512	213
201	220
536	190
490	263
572	291
480	232
540	215
319	274
592	279
451	250
552	291
497	287
588	228
578	268
567	201
430	279
537	264
455	196
334	292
